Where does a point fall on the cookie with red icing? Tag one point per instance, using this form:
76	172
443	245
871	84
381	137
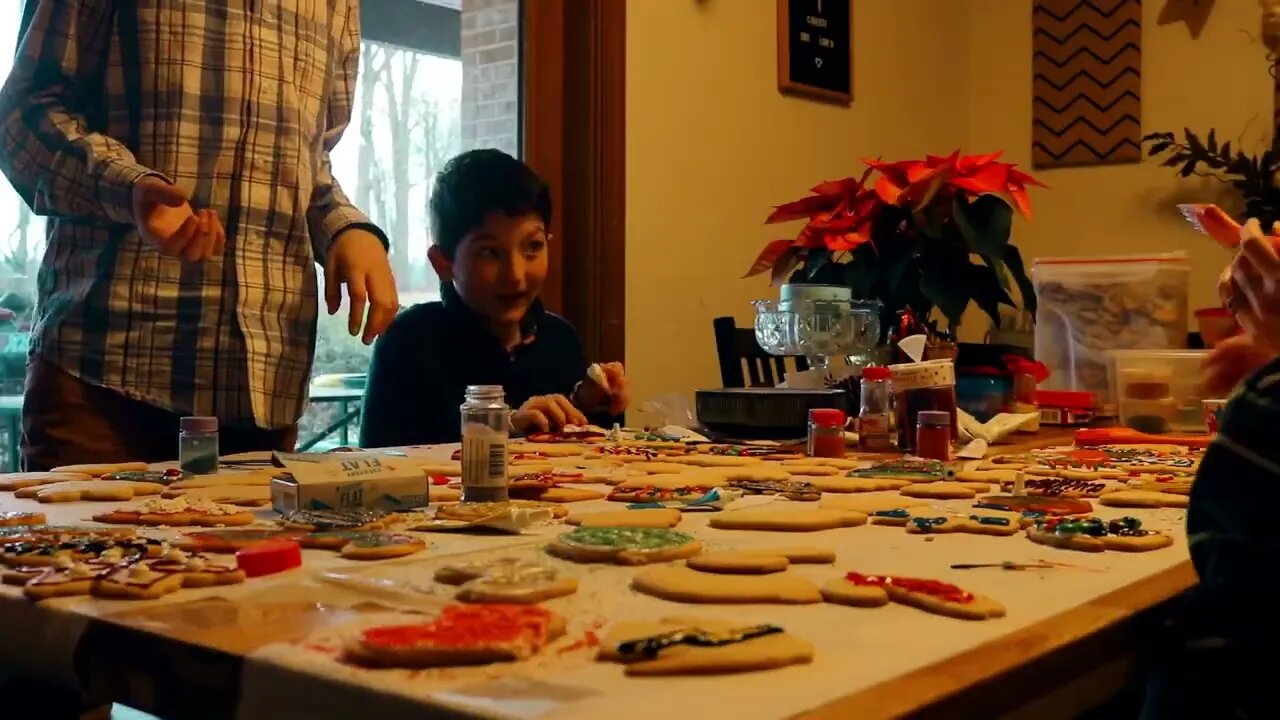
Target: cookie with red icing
476	634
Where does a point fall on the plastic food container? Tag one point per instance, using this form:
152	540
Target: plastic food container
1089	306
1158	391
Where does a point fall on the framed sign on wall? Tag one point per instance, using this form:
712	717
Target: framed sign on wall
815	49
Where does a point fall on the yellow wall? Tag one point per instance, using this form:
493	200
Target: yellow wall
712	146
1219	80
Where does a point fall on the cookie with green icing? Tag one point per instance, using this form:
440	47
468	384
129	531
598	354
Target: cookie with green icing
624	545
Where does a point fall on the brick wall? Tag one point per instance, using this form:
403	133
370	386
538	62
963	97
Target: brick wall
490	81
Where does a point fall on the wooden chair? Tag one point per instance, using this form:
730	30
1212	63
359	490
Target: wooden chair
737	347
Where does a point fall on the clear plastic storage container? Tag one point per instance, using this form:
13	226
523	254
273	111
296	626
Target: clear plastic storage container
1090	306
1158	390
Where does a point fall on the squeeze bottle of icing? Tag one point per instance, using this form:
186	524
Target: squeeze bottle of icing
485	430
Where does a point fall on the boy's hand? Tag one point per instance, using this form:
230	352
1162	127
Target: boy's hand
164	218
612	395
359	260
546	413
1228	364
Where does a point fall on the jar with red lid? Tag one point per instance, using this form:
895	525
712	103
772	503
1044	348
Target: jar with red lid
933	435
922	387
874	417
826	433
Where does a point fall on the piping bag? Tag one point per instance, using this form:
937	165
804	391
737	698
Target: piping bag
1217	224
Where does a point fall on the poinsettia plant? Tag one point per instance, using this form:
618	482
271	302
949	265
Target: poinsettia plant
926	234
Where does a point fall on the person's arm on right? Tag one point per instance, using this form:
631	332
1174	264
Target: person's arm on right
55	161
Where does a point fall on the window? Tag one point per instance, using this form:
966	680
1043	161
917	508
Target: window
437	77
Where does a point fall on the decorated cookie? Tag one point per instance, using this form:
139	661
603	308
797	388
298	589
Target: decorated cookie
622	453
798	520
929	595
343	519
980	522
659	488
841	591
230	540
364	544
1035	505
65	578
21	517
1059	486
682	584
516	584
913	471
1092	534
1143	499
790	489
178	511
165	476
137	581
625	546
457	573
677	646
647	518
461	635
197	570
584	436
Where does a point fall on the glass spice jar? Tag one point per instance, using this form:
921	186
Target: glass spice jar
933	435
826	433
198	445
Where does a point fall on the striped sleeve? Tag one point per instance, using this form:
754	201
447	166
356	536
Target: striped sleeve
1232	523
49	151
331	211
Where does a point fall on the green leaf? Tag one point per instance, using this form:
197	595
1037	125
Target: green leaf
1225	152
1190	168
860	276
1173	160
987	293
1211	143
947	293
1193	141
1158	147
1013	261
985	224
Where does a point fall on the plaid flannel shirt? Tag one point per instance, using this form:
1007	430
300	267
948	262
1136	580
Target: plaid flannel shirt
238	102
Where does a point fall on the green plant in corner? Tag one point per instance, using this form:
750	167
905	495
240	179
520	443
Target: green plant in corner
1252	176
928	234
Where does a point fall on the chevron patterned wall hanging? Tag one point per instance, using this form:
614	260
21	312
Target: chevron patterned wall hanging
1086	65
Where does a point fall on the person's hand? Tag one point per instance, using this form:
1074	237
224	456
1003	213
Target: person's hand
1230	362
165	219
358	259
546	413
614	396
1251	287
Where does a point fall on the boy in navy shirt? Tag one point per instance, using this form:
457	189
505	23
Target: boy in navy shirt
489	218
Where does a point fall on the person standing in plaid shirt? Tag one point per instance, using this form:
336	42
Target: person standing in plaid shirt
180	149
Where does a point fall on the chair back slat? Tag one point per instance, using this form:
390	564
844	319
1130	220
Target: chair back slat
737	348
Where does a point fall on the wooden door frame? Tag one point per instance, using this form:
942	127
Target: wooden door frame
573	75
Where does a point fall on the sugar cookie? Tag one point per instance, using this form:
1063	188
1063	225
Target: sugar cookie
648	517
94	470
682	584
939	491
1143	499
840	591
856	484
772	518
89	490
739	562
838	463
243	495
16	481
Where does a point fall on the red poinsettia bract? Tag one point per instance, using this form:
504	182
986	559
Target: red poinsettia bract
841	213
